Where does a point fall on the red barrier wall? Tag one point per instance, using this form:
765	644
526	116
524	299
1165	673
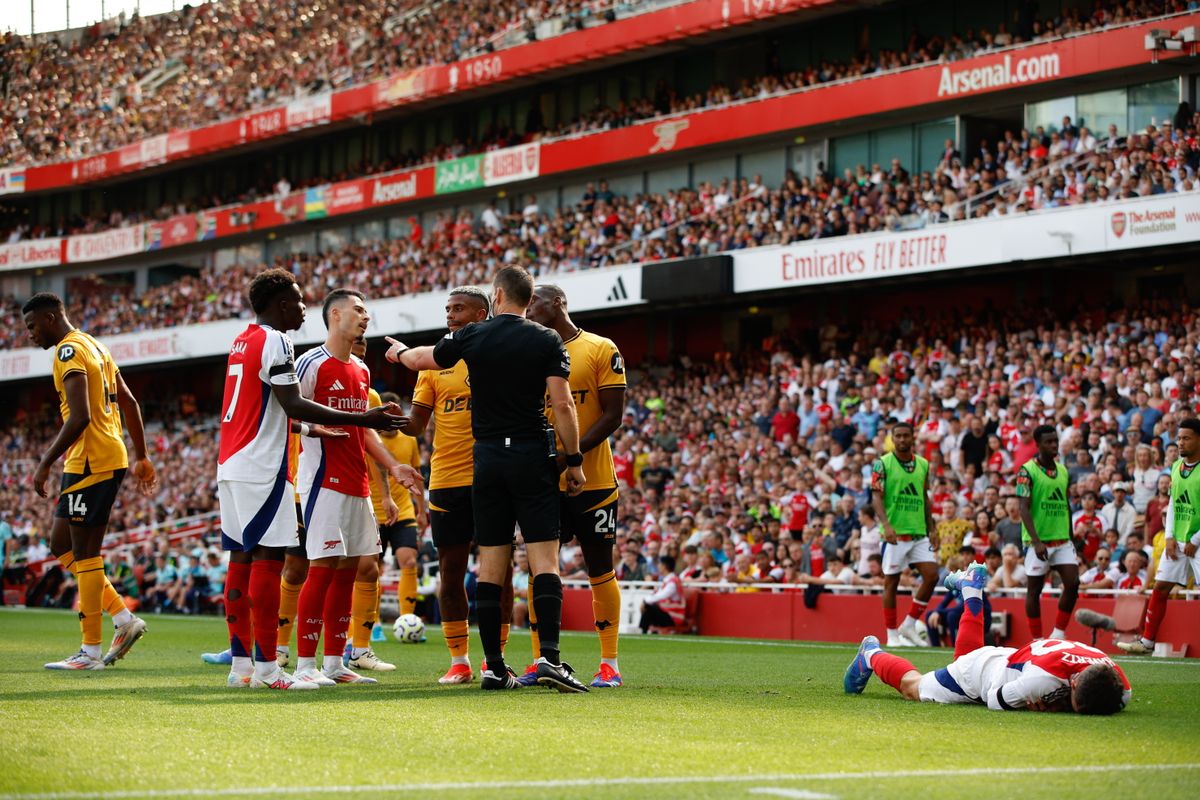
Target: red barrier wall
847	618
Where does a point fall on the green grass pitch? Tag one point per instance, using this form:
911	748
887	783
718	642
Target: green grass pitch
697	719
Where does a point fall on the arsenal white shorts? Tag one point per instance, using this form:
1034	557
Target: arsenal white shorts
934	688
254	514
1180	569
1057	555
339	524
901	554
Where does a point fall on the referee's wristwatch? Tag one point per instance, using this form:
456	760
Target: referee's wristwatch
575	460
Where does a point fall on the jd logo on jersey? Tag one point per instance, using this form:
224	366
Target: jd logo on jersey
66	353
618	363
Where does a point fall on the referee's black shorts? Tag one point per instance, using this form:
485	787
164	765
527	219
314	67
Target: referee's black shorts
516	483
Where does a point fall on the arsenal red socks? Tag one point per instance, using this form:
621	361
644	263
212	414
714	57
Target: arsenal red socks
264	598
890	669
237	615
310	611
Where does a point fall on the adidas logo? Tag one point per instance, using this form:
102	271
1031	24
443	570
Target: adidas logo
1185	498
618	292
337	386
1057	494
911	490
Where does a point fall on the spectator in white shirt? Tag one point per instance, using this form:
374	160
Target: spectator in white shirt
531	209
1145	477
1119	515
1011	574
1097	577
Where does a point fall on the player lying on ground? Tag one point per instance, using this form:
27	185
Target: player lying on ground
1045	675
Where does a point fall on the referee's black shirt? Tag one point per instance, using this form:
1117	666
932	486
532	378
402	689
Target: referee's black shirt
508	360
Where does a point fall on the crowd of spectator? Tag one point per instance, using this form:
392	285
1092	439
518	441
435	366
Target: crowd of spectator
754	469
664	100
1021	173
757	471
214	60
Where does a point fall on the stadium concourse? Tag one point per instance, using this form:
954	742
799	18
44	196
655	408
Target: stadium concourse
20	127
754	468
1024	173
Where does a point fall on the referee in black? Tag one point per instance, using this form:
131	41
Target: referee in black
512	364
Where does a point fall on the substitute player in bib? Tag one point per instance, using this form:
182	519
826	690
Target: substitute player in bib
444	395
598	387
900	494
1044	675
92	395
1180	560
343	538
1042	484
257	515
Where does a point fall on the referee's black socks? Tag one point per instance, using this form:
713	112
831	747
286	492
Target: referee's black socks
487	609
547	604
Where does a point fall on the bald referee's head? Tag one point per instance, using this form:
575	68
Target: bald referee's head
512	289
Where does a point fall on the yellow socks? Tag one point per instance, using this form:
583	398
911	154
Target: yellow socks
606	610
378	597
503	636
457	639
408	590
110	601
289	598
362	610
90	575
534	640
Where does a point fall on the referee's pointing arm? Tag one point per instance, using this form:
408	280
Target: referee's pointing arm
566	424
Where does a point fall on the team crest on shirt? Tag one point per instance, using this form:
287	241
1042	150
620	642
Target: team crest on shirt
66	352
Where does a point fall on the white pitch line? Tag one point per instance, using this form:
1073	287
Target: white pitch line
585	783
797	794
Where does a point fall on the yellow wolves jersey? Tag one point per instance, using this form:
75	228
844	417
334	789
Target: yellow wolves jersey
101	447
405	450
596	364
447	393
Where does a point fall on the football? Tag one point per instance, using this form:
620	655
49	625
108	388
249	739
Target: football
408	629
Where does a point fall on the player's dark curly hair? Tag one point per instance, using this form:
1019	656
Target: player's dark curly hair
42	301
1042	430
1099	690
266	286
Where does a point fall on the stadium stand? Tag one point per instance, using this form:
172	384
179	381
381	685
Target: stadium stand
1025	172
753	469
212	60
665	100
